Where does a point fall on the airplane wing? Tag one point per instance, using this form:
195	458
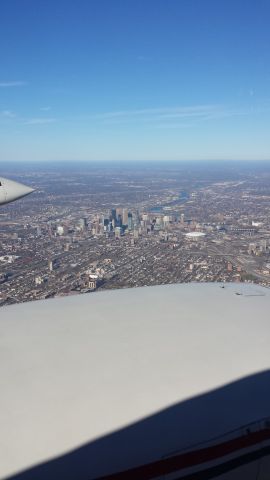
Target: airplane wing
11	190
170	382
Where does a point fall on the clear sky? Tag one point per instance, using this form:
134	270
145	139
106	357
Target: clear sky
134	79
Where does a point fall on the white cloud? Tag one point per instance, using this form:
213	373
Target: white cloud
166	117
169	126
192	110
8	114
45	109
39	121
12	84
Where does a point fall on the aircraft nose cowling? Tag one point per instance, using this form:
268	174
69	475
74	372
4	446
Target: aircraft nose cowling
11	190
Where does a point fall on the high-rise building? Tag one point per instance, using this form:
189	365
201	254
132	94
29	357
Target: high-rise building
82	223
118	232
166	220
119	221
125	216
113	214
119	211
130	221
106	224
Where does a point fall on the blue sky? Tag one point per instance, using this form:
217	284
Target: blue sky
134	79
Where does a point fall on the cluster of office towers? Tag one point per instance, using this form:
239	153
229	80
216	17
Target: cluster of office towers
118	220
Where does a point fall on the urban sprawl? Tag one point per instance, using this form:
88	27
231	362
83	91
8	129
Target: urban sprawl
112	227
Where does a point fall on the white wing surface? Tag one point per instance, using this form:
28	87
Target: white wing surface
11	190
123	383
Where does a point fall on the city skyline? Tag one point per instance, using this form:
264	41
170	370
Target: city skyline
128	81
104	228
